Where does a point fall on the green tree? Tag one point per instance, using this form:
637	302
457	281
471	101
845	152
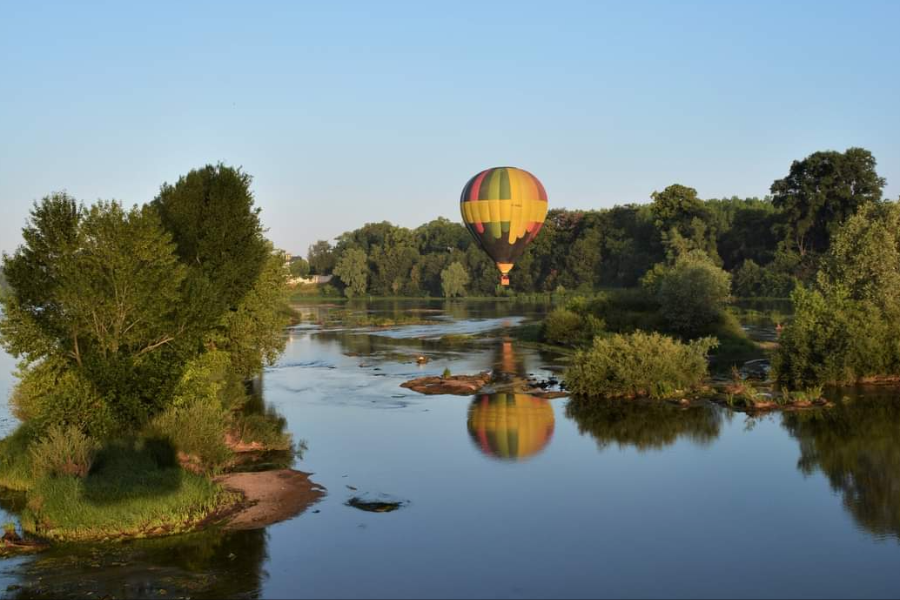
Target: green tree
321	258
454	280
393	262
253	334
298	267
692	293
108	311
846	326
353	271
211	215
683	221
820	192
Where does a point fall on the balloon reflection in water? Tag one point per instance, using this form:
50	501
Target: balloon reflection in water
510	426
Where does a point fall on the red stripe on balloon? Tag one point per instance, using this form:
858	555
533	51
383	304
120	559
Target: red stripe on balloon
473	194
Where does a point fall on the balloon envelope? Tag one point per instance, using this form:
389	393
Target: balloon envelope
504	209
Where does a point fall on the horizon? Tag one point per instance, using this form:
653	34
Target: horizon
354	114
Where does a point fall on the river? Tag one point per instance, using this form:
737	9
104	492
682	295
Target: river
512	496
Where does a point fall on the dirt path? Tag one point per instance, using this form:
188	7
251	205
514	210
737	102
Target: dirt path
270	496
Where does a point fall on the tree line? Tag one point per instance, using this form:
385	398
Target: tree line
768	244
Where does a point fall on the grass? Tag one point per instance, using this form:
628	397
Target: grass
127	494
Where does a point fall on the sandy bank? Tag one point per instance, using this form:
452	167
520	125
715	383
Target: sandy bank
270	496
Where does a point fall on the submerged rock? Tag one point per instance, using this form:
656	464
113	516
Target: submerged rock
376	503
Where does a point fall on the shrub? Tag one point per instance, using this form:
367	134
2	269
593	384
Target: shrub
195	430
573	324
834	339
638	364
15	460
63	451
267	430
51	393
692	293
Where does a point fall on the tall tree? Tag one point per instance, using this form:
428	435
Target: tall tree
106	319
211	215
820	192
454	280
353	271
321	258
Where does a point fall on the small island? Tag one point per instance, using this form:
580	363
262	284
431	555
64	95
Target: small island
137	330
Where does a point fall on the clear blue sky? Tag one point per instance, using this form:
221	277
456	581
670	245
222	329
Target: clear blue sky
352	112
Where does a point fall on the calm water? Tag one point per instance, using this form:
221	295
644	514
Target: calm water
512	496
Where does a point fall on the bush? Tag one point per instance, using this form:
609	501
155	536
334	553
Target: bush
51	393
16	472
63	451
638	364
834	339
195	430
692	293
267	430
573	324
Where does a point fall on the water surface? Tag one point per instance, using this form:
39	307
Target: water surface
514	496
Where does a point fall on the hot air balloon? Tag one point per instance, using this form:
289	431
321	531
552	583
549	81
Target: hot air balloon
504	209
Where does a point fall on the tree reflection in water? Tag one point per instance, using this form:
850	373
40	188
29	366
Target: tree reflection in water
210	564
854	444
644	425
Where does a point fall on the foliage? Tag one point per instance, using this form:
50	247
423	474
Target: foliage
16	471
692	293
754	281
211	216
321	258
197	429
454	280
847	326
683	221
834	339
96	292
49	392
298	267
572	325
351	269
252	333
638	364
821	192
110	307
266	430
61	452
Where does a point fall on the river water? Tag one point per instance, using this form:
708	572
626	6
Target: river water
511	496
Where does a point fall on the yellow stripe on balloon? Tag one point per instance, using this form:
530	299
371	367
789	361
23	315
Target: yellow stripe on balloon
494	210
516	206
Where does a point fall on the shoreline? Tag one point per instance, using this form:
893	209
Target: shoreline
260	499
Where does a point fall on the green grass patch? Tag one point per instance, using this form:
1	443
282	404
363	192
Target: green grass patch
131	492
